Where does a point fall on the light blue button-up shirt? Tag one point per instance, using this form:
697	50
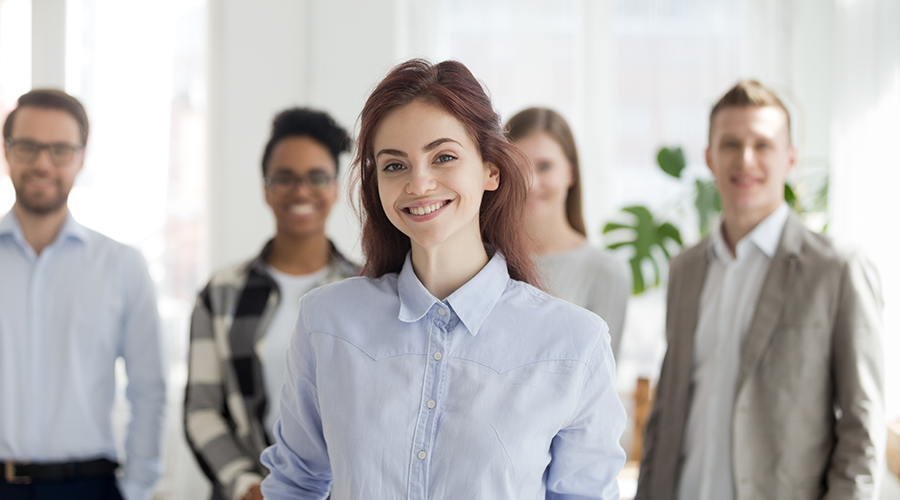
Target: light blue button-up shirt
498	392
65	316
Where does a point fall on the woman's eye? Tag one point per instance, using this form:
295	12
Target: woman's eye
444	158
393	167
544	166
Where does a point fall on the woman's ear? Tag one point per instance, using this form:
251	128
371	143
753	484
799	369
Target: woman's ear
493	180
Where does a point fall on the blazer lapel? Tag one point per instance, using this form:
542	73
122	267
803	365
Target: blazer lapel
687	282
770	305
694	273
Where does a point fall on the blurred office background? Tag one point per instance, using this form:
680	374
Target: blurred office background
180	94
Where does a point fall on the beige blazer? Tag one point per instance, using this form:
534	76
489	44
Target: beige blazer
808	420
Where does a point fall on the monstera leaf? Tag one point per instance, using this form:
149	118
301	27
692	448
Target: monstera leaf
647	235
708	204
671	161
791	198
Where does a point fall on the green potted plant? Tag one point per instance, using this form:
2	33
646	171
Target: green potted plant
654	240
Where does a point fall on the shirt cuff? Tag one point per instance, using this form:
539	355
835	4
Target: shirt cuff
132	490
243	483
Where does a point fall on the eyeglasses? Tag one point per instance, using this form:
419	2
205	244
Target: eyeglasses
28	151
317	180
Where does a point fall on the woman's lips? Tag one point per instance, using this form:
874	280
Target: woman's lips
427	211
302	209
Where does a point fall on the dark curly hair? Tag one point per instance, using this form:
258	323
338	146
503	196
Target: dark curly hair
295	122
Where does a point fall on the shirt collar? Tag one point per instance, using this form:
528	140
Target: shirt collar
72	229
9	225
766	235
472	302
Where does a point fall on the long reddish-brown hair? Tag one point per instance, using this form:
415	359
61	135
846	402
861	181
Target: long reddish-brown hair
450	86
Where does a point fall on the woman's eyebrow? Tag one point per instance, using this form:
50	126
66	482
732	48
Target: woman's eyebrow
428	147
433	144
394	152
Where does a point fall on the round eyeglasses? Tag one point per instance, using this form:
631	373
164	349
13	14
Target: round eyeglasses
27	151
282	183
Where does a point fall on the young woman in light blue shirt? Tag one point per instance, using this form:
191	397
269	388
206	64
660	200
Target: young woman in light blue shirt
444	373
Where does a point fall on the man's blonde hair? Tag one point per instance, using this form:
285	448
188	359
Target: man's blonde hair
749	93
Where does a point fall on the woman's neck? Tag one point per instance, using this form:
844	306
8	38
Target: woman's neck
299	255
553	234
443	269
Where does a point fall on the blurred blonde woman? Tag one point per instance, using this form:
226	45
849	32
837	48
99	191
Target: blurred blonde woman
572	269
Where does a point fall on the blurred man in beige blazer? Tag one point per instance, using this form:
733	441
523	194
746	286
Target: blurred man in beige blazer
772	384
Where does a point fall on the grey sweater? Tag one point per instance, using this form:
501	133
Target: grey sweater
591	278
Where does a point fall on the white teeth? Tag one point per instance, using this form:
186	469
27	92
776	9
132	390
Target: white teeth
426	210
302	209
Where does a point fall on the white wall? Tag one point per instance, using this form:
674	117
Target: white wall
866	170
258	57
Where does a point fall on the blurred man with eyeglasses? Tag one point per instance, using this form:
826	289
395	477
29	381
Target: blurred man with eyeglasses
72	302
244	318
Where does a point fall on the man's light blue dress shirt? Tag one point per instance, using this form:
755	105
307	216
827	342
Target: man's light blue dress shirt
498	392
65	316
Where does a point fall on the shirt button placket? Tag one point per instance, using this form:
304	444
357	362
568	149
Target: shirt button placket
426	421
438	347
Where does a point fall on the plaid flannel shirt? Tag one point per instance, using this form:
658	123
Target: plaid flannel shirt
225	398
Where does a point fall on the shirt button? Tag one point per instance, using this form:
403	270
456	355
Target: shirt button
438	355
430	403
422	455
442	312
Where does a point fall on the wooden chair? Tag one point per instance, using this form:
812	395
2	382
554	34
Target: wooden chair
643	402
893	448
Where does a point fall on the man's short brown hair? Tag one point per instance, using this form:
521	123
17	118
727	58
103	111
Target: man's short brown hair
50	99
749	93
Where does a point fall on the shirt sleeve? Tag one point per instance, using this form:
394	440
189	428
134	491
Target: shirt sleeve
210	436
298	462
586	456
146	392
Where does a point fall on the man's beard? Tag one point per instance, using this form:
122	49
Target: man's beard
42	208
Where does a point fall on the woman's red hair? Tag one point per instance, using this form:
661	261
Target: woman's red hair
450	86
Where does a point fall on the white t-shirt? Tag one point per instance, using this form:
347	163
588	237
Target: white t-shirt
274	345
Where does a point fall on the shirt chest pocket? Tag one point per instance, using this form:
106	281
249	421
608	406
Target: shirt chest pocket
97	323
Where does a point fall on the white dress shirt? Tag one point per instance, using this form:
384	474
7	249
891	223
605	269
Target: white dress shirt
66	315
500	391
727	304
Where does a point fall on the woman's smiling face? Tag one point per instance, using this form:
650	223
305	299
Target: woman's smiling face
551	179
431	177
